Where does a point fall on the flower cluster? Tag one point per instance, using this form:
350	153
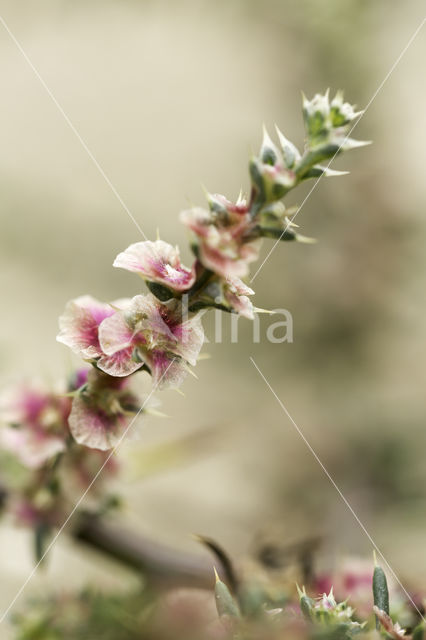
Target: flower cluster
161	332
43	469
329	612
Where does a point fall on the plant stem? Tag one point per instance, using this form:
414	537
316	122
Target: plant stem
161	565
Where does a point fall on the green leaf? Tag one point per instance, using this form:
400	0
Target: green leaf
41	536
225	603
252	599
380	591
418	633
224	559
159	291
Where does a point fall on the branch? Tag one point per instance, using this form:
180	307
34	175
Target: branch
163	566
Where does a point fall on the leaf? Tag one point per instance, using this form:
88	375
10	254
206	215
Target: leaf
380	592
41	535
225	603
224	559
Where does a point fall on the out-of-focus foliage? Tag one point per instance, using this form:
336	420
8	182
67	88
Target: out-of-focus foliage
248	613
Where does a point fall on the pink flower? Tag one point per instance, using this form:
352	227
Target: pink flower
393	629
79	330
35	424
235	292
79	325
156	335
158	262
102	410
223	236
352	578
32	448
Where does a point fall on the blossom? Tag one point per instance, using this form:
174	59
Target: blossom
157	262
79	330
393	629
35	424
352	577
101	411
79	325
32	448
222	236
235	292
155	335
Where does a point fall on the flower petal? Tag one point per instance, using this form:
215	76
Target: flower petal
166	369
216	260
32	449
93	427
114	334
190	339
79	325
120	364
236	292
102	411
157	261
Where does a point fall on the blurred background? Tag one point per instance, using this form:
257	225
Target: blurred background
171	95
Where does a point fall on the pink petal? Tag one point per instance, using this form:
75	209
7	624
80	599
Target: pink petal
79	325
236	285
22	403
102	411
93	427
120	364
190	339
32	449
166	370
114	334
216	260
157	261
236	292
197	219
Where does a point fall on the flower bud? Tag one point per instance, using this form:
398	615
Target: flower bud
342	113
271	182
269	153
291	153
274	222
316	114
306	604
326	125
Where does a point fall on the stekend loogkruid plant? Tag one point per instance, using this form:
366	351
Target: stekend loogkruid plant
56	440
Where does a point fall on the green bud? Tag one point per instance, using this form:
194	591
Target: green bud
316	113
291	154
275	223
327	126
269	153
342	113
225	603
270	182
216	204
306	604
